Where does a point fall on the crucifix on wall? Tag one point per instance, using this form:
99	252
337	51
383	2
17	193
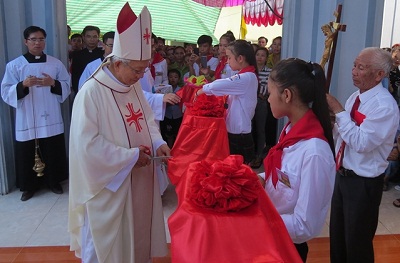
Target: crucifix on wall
331	31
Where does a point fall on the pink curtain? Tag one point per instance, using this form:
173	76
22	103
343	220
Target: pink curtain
257	12
220	3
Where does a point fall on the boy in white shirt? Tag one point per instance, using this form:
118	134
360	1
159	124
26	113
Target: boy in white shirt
197	66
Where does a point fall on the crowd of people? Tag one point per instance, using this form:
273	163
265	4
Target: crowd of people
169	62
118	127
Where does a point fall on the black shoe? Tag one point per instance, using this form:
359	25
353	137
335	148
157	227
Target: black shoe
26	195
57	189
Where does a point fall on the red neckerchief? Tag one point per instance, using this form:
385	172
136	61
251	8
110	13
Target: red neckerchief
157	58
248	69
306	128
220	67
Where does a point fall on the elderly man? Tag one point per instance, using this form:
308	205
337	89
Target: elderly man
365	129
115	210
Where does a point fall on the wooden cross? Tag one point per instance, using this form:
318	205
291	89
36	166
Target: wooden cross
337	26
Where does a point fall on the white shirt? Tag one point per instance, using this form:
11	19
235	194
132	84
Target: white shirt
368	145
242	100
212	63
310	167
154	99
88	71
161	71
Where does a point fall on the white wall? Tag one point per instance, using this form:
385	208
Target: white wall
391	17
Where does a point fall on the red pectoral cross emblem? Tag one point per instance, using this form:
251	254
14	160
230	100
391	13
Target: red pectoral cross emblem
147	36
134	117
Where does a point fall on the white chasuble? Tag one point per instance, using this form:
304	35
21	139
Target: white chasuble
109	122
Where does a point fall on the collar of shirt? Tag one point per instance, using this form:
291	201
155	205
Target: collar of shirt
35	59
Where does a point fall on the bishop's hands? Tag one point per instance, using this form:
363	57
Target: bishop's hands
171	98
144	157
31	81
163	150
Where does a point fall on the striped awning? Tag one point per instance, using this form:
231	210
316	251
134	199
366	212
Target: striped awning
175	20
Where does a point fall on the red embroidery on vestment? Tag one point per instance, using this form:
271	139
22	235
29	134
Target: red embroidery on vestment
147	36
134	117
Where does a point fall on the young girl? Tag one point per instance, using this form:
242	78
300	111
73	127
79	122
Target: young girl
260	116
223	69
242	99
300	168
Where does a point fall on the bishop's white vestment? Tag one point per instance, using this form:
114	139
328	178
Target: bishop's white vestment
121	204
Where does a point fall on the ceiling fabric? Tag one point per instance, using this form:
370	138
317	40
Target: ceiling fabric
175	20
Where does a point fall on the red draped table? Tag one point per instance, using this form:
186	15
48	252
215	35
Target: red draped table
255	234
202	229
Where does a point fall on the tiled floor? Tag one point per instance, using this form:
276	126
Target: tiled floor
42	220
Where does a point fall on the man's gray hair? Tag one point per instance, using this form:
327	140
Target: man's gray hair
123	60
381	59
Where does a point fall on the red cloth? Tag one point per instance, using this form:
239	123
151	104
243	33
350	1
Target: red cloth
220	67
199	138
207	106
157	58
187	93
306	128
248	69
254	234
358	119
223	186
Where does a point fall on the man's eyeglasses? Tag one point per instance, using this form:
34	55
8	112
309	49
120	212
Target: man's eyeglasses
36	39
109	45
138	72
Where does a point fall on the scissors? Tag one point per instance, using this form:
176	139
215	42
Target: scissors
148	152
159	157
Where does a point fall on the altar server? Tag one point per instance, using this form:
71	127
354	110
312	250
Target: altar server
35	84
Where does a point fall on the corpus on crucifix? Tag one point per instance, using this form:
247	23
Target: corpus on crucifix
331	31
329	34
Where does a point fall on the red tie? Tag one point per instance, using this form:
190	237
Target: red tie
339	156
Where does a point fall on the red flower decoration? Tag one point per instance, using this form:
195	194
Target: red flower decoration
223	186
209	106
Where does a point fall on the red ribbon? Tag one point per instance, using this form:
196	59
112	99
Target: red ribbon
306	128
220	67
157	59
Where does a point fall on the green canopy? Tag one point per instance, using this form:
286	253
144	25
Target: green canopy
175	20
